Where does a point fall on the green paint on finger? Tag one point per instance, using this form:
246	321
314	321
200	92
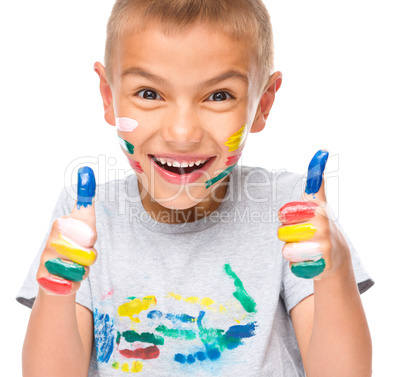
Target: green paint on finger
69	271
128	147
222	175
244	298
309	269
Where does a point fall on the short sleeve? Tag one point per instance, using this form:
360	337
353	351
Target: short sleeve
295	289
29	289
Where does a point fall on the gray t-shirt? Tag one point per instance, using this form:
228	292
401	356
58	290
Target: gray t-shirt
204	298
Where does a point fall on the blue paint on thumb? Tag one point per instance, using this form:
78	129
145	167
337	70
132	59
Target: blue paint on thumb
86	186
315	171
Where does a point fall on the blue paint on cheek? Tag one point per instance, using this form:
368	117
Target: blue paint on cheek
86	186
104	337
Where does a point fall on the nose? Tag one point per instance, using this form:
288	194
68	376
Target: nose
183	127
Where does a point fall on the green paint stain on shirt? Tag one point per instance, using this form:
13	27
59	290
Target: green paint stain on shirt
309	269
244	298
176	333
210	182
128	147
132	336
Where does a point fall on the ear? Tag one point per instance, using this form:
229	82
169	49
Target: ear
266	102
106	93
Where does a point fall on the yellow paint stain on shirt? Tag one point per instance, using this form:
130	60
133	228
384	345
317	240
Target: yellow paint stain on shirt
222	309
84	257
135	307
192	300
236	139
174	295
207	302
125	367
137	367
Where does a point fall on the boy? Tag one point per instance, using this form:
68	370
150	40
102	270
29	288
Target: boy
189	279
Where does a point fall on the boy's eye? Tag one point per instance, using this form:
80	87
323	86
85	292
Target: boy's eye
219	96
149	94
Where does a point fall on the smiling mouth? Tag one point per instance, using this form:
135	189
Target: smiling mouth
181	170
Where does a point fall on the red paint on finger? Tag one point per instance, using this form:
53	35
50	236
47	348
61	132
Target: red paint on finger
295	212
55	285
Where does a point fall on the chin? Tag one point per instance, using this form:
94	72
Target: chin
179	203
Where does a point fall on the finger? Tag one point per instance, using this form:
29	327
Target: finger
315	187
302	251
55	285
296	232
84	210
296	212
308	269
65	269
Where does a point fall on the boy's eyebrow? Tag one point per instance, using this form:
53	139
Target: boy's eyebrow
136	71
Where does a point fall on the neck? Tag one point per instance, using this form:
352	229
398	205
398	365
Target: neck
180	216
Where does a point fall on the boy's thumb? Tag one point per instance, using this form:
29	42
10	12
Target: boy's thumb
84	209
315	186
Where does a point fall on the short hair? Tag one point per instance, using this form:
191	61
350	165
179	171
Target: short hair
240	19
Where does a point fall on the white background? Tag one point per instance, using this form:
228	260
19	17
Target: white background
341	91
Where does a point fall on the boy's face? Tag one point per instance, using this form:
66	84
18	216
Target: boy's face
188	98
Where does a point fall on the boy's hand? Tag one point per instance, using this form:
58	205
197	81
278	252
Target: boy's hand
315	247
69	249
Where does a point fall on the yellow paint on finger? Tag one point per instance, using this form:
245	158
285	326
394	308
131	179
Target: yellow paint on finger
77	254
297	232
236	139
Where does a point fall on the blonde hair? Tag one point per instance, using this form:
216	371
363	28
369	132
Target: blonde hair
240	19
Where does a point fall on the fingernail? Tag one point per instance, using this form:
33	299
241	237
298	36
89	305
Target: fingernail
315	170
86	186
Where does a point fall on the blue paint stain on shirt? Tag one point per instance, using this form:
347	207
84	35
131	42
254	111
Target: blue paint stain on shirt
104	337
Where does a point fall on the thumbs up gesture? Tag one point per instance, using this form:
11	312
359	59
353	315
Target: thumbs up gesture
69	249
315	246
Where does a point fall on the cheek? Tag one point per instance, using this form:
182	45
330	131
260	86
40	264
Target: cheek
235	140
126	124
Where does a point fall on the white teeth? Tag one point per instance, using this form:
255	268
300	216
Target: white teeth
177	164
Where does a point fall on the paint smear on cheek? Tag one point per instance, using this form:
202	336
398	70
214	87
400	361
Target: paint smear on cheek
128	147
233	159
220	176
237	139
126	124
136	166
